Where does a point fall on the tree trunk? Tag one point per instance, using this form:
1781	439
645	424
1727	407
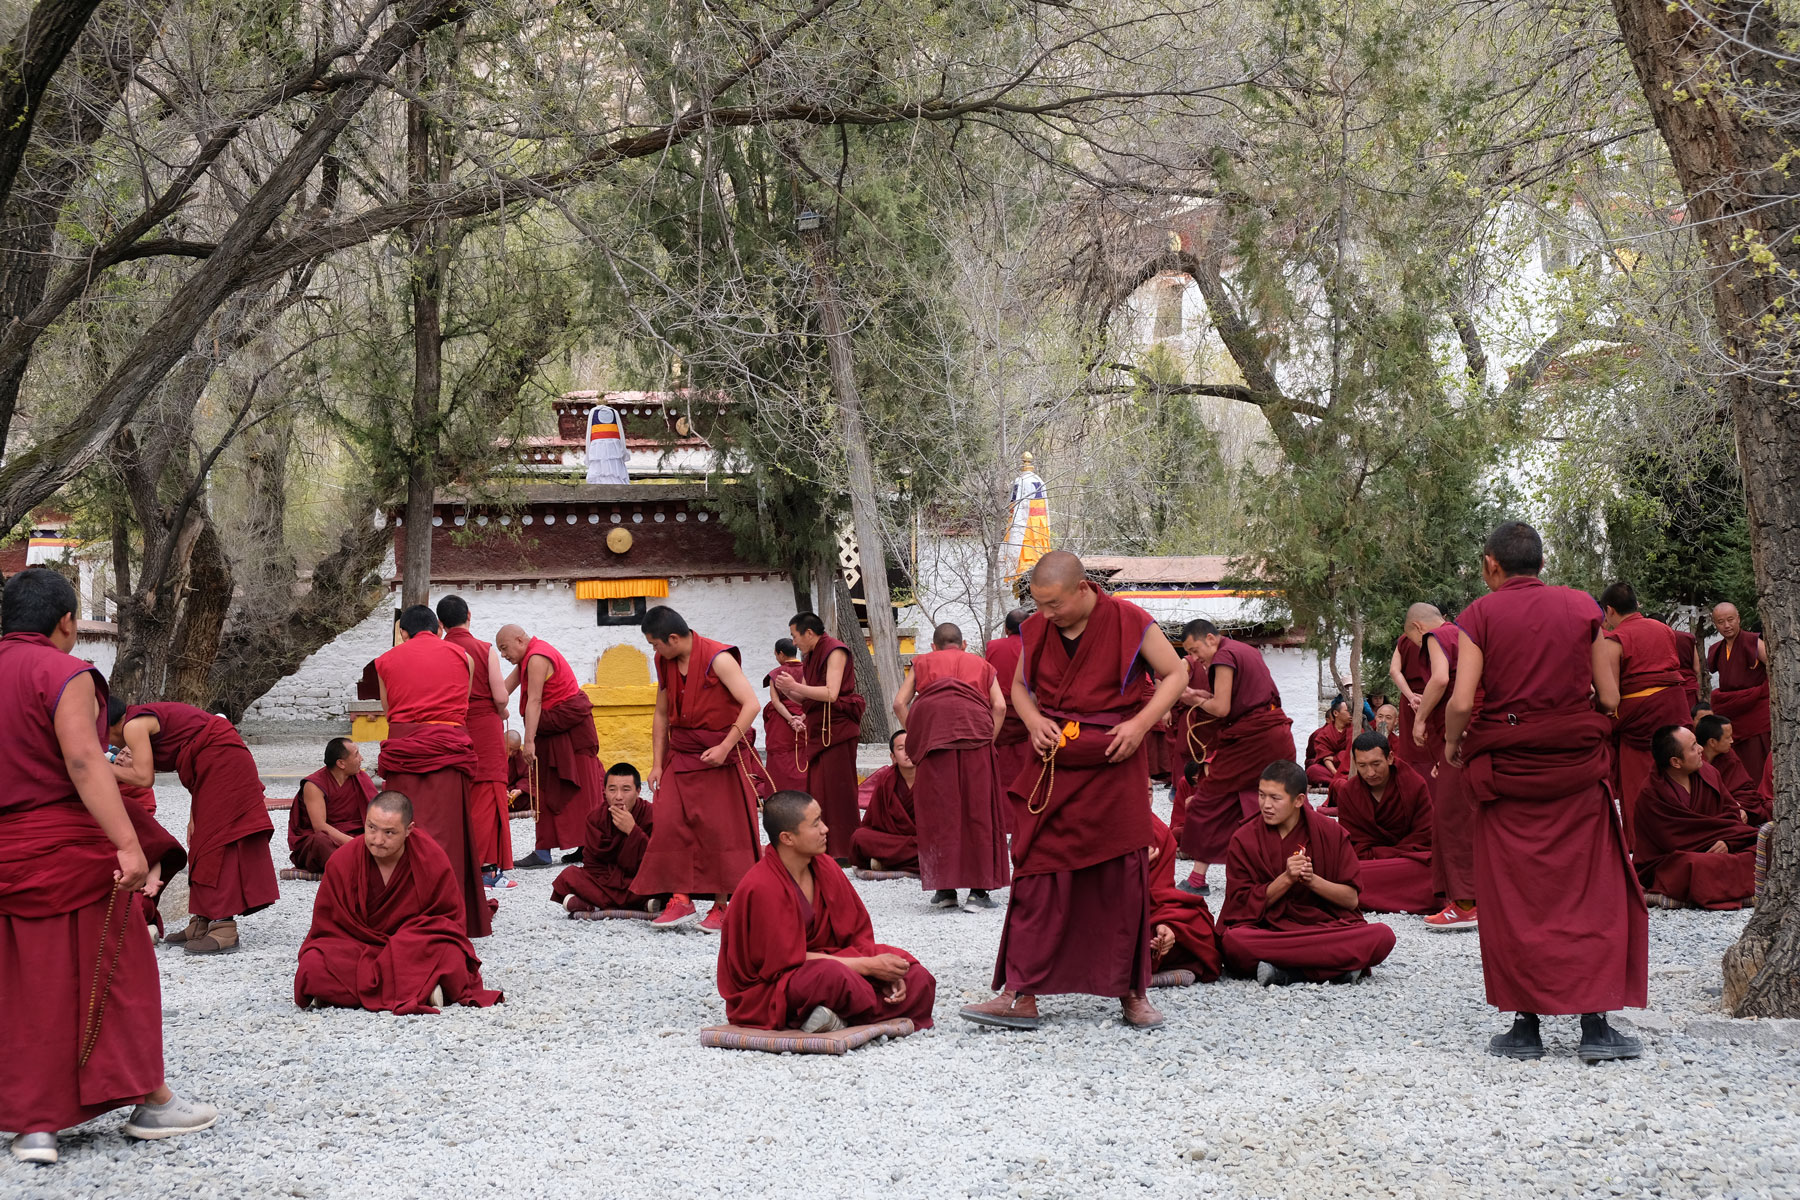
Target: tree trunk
1732	163
877	718
205	599
826	576
428	267
1356	666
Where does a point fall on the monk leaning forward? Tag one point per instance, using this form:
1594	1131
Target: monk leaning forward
560	748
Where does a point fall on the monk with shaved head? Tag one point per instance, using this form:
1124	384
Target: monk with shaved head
1742	694
1079	917
560	748
1425	667
951	708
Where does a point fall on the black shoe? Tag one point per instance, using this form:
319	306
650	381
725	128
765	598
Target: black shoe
979	899
537	860
1521	1041
573	856
1192	888
1270	975
944	898
1600	1042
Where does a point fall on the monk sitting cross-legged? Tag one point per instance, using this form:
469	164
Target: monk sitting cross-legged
329	809
1693	845
1291	893
1716	738
1385	809
1328	747
1182	935
888	839
798	949
387	926
618	834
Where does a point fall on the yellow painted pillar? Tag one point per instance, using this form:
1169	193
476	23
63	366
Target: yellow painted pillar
623	696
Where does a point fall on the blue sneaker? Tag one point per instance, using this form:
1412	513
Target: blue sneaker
496	881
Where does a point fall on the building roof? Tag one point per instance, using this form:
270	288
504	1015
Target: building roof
585	493
1180	569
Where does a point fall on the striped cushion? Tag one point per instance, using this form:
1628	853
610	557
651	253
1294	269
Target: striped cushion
1172	979
297	873
792	1041
865	873
612	914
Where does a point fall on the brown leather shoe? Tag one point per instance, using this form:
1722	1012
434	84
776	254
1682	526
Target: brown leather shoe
1136	1010
220	937
1006	1011
196	926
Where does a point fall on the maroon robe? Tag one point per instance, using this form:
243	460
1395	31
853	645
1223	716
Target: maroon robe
430	765
1012	745
1741	788
1415	668
1300	931
1452	809
1676	829
1742	696
1079	915
490	814
1650	697
1196	945
60	916
569	778
829	744
889	831
383	947
706	835
1327	741
345	804
1255	733
787	770
763	972
1690	681
230	872
1563	924
957	794
609	861
518	779
1194	733
1392	838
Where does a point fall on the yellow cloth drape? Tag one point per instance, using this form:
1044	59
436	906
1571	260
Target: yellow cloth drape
619	589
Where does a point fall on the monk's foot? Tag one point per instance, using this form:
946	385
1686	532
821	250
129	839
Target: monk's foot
980	899
1270	975
573	904
1521	1041
1137	1011
149	1122
1600	1042
497	881
35	1148
875	865
1195	883
680	912
821	1020
944	898
436	999
1005	1011
1349	976
715	920
1452	917
537	860
573	856
221	937
196	927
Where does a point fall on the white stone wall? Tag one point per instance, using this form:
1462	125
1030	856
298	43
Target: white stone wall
101	651
751	614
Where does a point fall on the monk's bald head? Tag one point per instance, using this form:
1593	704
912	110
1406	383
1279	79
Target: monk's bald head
1059	569
1424	614
1061	591
387	825
511	642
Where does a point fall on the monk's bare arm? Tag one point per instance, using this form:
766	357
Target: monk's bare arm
834	680
997	701
381	691
903	701
1220	703
1603	660
1044	732
85	760
731	674
659	736
497	688
1435	687
513	679
1399	677
142	771
1462	700
537	670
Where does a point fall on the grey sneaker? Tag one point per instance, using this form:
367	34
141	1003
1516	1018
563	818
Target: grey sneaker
944	898
151	1121
822	1020
1270	975
35	1148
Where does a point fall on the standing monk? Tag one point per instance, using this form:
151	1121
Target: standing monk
76	860
1688	650
1643	665
782	723
560	748
1079	920
832	725
230	873
328	811
706	776
1566	929
490	813
1428	653
428	756
1742	696
1195	733
1328	747
952	709
1253	733
1012	745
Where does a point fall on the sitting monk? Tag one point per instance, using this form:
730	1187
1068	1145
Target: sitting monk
1182	937
618	833
887	839
1387	720
1328	747
329	809
1714	734
518	775
388	925
1693	845
1385	809
1291	893
798	949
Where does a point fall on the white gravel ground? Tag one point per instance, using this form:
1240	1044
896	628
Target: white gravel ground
588	1081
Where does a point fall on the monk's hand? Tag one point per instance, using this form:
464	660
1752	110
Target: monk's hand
1045	734
133	870
1192	696
896	993
885	968
622	819
1718	847
1453	753
1298	866
1162	941
715	756
153	882
654	778
1412	698
528	750
798	722
1127	736
1306	869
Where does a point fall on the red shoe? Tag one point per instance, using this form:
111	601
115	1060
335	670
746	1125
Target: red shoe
677	914
715	919
1452	918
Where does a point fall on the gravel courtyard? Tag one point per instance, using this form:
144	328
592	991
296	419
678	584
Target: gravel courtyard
588	1080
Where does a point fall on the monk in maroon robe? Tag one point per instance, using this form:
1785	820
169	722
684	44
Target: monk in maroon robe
561	748
799	951
1292	889
1687	649
1182	935
328	809
1425	663
618	835
1693	843
1742	696
888	838
519	795
387	925
1079	916
428	756
1714	733
952	709
706	776
1385	810
1328	747
230	873
1642	658
783	723
1012	745
833	724
1565	930
1253	733
1195	735
490	811
76	861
